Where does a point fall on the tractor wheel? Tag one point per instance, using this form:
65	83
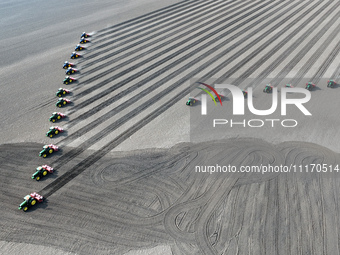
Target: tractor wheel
59	105
44	155
51	135
59	95
64	102
190	104
81	48
56	132
53	120
25	208
38	178
50	151
59	117
76	56
72	71
71	81
44	173
33	202
64	92
66	83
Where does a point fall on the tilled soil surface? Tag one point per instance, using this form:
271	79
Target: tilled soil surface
143	199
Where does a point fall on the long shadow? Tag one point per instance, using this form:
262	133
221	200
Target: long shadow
335	86
316	88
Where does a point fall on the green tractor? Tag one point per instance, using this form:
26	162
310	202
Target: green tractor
310	86
30	200
54	131
57	116
191	101
62	102
331	84
48	149
42	171
268	88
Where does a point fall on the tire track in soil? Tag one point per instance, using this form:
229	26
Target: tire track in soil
270	53
286	53
146	17
75	171
145	92
126	104
136	41
144	31
157	55
170	32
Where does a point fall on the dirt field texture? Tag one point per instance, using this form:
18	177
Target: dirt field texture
126	177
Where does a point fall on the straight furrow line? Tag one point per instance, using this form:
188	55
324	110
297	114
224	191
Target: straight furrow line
286	53
162	39
193	37
148	16
155	65
325	65
267	43
297	78
80	167
145	31
173	75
